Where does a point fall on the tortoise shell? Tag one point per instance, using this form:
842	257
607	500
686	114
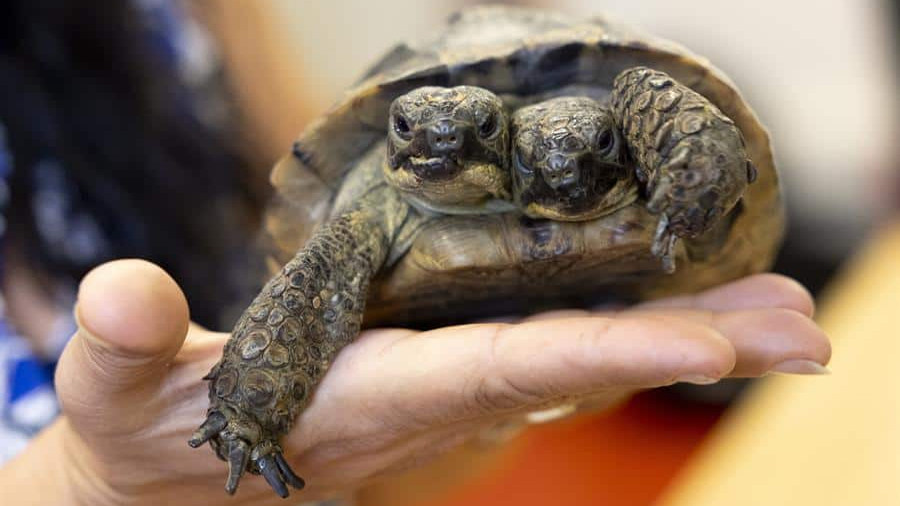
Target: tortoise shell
465	266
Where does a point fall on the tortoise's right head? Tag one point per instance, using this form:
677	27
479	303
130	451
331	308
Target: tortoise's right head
448	149
569	161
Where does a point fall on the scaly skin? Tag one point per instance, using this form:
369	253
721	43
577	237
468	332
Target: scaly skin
690	156
285	341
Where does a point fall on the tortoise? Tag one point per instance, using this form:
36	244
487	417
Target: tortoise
420	199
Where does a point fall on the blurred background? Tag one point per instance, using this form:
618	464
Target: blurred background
820	74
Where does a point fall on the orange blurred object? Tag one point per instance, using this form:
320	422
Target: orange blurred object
621	458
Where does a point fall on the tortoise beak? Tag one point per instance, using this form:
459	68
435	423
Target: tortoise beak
570	189
434	168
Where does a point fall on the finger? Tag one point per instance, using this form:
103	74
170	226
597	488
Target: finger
775	340
478	370
559	314
752	292
132	320
765	340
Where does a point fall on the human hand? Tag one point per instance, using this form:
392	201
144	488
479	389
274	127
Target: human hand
129	383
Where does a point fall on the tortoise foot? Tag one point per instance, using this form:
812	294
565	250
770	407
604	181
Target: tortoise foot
245	445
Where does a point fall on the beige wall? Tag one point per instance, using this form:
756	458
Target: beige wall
336	40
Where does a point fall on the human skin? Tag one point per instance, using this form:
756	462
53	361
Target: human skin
130	389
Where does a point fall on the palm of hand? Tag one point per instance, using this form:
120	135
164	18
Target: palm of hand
130	386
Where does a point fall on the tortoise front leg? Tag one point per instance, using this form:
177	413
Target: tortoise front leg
285	341
690	156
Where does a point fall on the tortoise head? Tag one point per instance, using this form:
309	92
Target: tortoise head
448	149
569	161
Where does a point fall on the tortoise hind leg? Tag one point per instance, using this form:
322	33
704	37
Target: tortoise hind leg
691	157
284	342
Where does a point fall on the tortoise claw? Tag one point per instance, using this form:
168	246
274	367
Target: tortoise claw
288	473
269	469
270	462
246	446
664	244
238	455
213	424
659	197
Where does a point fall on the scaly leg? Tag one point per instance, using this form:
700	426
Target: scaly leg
285	341
690	156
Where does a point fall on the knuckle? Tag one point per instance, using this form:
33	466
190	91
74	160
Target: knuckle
498	393
798	296
494	389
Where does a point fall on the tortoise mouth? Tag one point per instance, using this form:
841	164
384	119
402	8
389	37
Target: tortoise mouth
433	168
601	188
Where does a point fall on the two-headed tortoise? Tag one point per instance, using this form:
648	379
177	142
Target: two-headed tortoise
522	159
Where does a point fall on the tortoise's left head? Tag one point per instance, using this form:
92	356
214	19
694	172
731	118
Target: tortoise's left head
569	161
448	149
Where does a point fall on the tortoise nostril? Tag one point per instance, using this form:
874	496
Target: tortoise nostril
561	172
444	137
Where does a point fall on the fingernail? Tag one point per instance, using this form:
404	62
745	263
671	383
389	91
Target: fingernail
548	415
696	379
800	366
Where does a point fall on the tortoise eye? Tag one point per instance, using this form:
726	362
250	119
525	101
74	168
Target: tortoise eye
520	166
401	126
604	141
488	126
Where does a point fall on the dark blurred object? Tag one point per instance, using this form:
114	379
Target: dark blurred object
112	156
795	260
893	7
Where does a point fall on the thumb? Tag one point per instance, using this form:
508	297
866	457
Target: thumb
132	320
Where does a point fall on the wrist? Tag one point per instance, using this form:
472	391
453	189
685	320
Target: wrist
78	469
45	472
